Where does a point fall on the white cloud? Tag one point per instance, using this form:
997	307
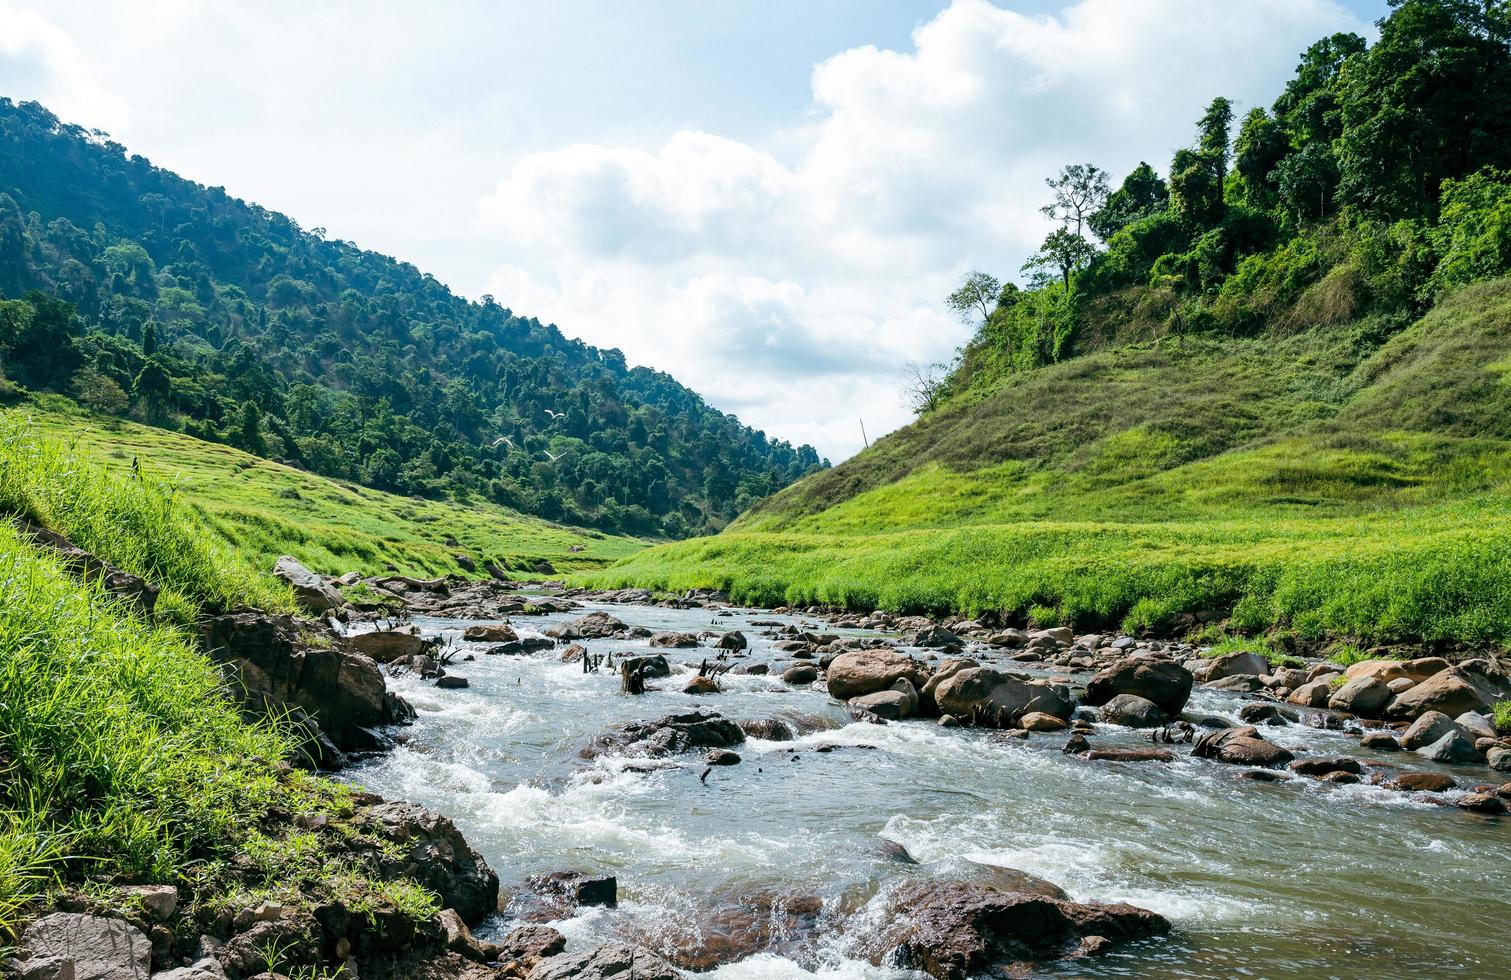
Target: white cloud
40	61
793	286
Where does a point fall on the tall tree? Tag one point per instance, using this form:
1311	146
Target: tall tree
1062	251
974	298
1080	190
1142	193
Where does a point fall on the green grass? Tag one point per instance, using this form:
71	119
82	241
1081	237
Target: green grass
1346	482
259	509
1503	716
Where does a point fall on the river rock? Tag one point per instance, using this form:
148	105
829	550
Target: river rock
1313	694
578	888
1390	670
1364	696
1420	782
672	640
460	940
1499	759
891	705
452	682
927	706
1473	685
993	697
1380	742
1242	747
521	647
87	947
312	592
1164	682
1431	726
1476	725
700	685
937	638
528	945
386	646
614	961
430	851
490	633
1261	713
1452	748
593	626
1130	755
1133	711
672	734
1237	683
953	929
733	640
861	672
1229	664
1481	803
1323	766
1040	721
800	674
1012	880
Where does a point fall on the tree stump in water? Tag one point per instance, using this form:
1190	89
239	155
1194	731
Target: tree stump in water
632	676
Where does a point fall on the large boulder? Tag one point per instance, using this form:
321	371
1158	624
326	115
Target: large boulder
1133	711
593	626
1473	685
87	947
1389	670
428	849
859	672
1428	728
1313	694
1164	682
949	668
313	592
490	633
896	702
671	735
614	961
1241	662
1241	747
985	695
1453	748
386	646
1363	696
952	929
272	667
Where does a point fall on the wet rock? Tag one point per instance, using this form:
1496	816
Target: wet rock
1325	765
1229	664
1363	696
490	633
927	706
1387	671
1481	803
672	640
1313	694
897	702
1452	748
528	945
593	626
1476	725
92	947
1420	782
1039	721
672	734
701	685
988	696
892	851
937	638
386	646
1076	745
1003	879
1340	777
722	757
432	852
800	674
1242	747
1262	776
862	672
953	930
1132	711
1431	726
649	667
1262	713
578	888
1165	683
520	647
760	670
451	682
460	940
614	961
310	590
1499	759
1237	683
1380	742
733	640
1130	755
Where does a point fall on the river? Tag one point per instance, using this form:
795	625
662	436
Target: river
1293	879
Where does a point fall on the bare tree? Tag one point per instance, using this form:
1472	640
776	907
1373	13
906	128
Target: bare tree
1081	190
923	385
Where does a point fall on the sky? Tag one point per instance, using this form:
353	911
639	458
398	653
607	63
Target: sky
768	199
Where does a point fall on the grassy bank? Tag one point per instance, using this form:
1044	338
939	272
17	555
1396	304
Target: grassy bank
259	509
1347	481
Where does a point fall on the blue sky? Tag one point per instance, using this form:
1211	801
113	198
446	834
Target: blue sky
767	199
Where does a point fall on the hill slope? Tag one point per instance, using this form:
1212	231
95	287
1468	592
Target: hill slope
1332	483
160	299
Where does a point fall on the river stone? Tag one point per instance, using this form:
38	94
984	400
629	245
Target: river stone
1428	728
1420	782
490	633
613	961
1130	755
673	640
1313	694
733	640
1473	685
452	682
1012	880
994	697
1229	664
99	948
1241	746
1323	766
1133	711
1476	725
1164	682
1364	696
1039	721
311	591
1380	742
937	638
593	626
386	646
859	672
1452	748
1499	759
800	674
521	647
1389	670
1261	713
891	705
1480	803
1237	683
528	945
672	734
953	929
927	706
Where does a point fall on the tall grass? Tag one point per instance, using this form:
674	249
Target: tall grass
121	757
133	521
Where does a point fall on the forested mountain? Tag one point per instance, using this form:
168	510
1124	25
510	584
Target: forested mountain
140	293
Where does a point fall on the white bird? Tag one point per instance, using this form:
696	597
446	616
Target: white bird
553	458
502	439
556	415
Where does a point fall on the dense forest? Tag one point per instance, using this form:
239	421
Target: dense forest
141	294
1376	181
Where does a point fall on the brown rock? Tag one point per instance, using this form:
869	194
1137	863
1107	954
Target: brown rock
1420	782
860	672
1164	682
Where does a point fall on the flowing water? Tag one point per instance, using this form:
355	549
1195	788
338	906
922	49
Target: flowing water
1296	879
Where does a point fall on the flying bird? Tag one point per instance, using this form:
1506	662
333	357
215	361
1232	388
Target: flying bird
556	415
553	458
502	439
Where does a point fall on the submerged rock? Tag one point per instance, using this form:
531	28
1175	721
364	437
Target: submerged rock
671	735
954	929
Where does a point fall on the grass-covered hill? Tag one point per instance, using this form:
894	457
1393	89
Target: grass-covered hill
144	295
1321	483
1270	388
258	510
